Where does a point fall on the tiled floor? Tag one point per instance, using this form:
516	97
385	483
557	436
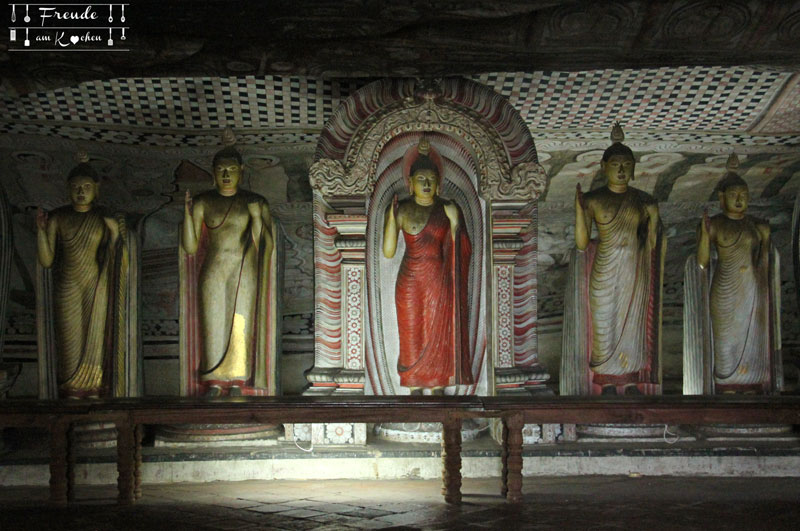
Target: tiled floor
608	502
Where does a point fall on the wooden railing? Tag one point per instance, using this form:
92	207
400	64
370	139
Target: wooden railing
130	415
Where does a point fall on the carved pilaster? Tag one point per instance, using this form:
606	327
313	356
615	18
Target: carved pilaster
340	300
351	243
514	301
504	316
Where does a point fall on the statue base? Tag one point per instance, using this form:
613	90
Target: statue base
593	433
427	432
178	435
740	432
95	435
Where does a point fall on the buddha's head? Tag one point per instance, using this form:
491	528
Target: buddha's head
618	162
733	192
424	178
227	170
83	184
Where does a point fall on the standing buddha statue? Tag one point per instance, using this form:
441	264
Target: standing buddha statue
86	296
431	287
228	297
612	318
732	292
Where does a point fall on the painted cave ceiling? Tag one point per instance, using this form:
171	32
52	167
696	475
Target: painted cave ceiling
379	38
690	80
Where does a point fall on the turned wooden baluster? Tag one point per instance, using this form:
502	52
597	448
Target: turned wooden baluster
138	432
451	459
126	462
71	460
504	461
512	458
59	461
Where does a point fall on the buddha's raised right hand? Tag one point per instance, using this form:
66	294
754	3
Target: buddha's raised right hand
188	202
705	226
41	218
579	203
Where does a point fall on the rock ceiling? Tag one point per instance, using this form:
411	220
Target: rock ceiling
376	38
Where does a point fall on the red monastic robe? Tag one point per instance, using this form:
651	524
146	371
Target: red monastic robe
432	312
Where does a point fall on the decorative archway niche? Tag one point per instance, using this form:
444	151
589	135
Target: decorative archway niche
491	172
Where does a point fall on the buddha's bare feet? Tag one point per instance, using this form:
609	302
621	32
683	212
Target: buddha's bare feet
235	391
632	390
437	391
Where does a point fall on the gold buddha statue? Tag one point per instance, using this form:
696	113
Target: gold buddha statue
612	309
431	287
741	301
228	297
86	259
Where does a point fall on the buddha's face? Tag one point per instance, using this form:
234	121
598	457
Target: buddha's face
618	169
734	200
82	192
227	174
424	184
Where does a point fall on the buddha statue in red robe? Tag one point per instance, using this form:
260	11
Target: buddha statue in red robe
431	287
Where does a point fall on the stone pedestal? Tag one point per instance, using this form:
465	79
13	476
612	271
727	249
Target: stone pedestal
592	433
95	435
747	432
179	435
428	432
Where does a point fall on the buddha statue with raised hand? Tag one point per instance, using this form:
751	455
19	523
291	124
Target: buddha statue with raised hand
731	325
86	304
612	320
431	288
227	286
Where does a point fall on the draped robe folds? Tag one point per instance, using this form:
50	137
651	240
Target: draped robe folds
624	292
431	299
739	311
228	328
88	290
732	336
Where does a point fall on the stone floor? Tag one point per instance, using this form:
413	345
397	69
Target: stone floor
589	502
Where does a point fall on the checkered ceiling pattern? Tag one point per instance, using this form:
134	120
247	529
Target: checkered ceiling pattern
712	99
664	99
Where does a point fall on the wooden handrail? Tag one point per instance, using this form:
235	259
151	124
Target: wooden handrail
130	415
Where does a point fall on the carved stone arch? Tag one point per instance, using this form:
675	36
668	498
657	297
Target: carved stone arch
506	182
429	116
365	122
